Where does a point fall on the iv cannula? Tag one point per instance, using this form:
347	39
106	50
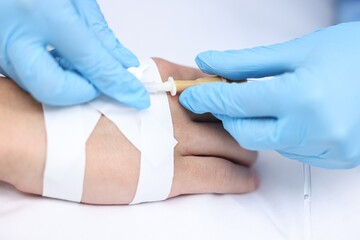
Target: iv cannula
177	86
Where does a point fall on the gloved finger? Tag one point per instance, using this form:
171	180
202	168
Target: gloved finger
91	12
251	99
254	62
62	61
254	133
45	79
194	175
95	63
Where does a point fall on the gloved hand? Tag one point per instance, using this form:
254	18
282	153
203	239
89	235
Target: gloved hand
309	111
90	58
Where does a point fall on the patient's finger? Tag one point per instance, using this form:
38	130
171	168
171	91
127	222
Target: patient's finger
210	139
194	175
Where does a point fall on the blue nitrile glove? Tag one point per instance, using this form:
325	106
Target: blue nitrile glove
95	60
310	110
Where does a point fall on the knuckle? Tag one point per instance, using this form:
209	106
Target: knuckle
100	28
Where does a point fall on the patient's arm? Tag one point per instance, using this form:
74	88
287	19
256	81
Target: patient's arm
207	159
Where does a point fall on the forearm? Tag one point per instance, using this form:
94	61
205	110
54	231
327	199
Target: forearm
206	158
112	163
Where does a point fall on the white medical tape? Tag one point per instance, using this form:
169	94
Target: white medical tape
126	119
157	145
68	130
151	132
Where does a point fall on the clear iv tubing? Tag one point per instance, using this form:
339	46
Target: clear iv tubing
307	201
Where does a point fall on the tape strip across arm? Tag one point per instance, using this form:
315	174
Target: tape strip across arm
67	132
151	132
157	145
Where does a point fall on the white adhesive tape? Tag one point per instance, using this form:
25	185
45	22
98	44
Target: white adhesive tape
157	145
150	130
67	132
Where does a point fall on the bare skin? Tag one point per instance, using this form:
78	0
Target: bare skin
207	159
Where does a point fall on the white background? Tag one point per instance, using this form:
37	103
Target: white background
178	30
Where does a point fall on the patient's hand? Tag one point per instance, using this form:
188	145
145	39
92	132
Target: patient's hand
207	159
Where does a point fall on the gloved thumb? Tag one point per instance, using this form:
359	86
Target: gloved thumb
254	62
253	133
